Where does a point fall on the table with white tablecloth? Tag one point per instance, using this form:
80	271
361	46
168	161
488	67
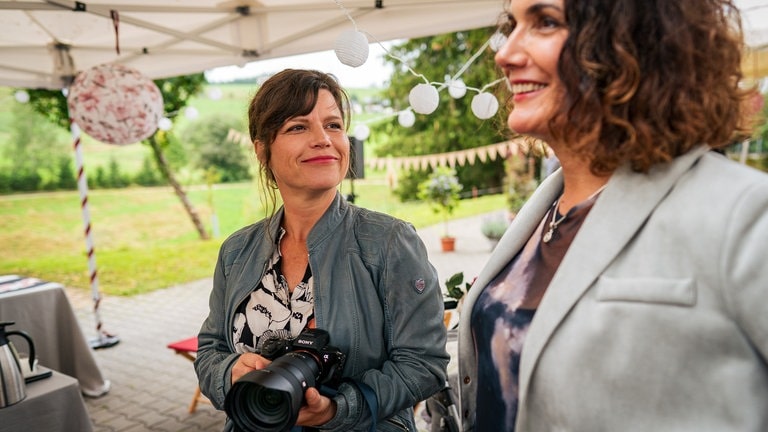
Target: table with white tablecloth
52	404
43	310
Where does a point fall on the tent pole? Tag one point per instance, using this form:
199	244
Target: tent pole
104	339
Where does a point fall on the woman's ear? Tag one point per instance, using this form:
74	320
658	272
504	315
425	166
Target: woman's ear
258	147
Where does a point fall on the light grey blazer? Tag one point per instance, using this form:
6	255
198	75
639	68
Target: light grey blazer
657	318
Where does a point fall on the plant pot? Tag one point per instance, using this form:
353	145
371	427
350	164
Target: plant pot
448	243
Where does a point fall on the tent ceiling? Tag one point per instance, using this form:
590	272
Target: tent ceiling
42	41
176	37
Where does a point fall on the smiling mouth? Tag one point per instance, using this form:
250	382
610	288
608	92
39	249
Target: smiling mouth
321	159
527	88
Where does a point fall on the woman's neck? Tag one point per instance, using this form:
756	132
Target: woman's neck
579	183
301	214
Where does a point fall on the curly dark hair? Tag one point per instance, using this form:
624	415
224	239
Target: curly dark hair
647	80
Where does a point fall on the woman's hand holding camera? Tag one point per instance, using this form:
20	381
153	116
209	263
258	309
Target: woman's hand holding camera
246	363
316	410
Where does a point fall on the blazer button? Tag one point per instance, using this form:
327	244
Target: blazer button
467	380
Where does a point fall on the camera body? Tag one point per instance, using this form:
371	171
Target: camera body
315	342
269	399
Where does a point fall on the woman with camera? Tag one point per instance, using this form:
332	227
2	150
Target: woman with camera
319	262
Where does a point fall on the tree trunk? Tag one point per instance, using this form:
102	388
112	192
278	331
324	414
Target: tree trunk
168	174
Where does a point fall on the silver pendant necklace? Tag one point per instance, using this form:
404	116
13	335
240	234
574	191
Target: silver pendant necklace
554	223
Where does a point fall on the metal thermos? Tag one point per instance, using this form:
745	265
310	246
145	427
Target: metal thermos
12	385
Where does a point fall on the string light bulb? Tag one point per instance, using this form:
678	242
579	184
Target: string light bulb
424	98
351	48
362	132
484	105
164	124
406	118
21	96
457	89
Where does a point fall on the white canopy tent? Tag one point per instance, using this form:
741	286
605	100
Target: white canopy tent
45	41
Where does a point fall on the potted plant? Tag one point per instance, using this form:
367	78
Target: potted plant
493	228
441	191
455	288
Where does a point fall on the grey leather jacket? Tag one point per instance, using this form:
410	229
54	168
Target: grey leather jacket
375	293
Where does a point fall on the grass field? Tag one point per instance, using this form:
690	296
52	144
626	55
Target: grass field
143	238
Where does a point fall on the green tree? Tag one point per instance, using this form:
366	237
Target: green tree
453	126
67	177
208	144
34	149
176	93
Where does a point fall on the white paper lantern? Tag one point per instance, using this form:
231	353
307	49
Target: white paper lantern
424	98
21	96
457	89
497	41
164	124
191	113
484	105
362	132
406	118
215	93
351	48
115	104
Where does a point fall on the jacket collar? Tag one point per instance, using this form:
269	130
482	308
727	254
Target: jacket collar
324	227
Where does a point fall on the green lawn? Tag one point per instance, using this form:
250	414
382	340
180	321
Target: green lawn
143	238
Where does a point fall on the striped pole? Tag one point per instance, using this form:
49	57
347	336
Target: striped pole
103	339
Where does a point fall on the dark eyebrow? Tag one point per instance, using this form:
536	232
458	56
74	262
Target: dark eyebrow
541	7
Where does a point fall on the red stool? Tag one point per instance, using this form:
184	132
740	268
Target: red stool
187	348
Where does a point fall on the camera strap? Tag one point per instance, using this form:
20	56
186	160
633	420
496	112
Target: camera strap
370	399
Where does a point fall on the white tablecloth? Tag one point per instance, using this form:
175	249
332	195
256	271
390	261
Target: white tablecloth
52	404
44	312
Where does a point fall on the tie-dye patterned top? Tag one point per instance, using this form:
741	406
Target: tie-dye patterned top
504	311
272	311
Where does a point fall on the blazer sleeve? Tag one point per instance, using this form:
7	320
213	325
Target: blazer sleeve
745	265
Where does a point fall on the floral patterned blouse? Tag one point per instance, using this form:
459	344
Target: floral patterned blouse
272	311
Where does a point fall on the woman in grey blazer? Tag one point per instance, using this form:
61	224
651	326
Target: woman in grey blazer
629	293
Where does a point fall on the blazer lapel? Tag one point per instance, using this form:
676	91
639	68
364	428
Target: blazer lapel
511	242
599	240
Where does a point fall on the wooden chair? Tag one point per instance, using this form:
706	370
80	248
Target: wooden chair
187	348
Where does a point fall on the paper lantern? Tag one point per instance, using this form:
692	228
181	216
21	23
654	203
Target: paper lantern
484	105
164	124
424	99
191	113
21	96
497	41
362	132
457	89
115	104
406	118
351	48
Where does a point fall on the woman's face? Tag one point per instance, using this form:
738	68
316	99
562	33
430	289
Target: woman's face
310	153
536	32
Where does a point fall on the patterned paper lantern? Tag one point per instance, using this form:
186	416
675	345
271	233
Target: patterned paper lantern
484	105
351	48
115	104
424	98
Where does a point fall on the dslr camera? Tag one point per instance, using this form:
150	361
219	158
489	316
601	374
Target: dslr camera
269	399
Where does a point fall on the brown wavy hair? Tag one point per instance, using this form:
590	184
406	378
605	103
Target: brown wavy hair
285	95
648	80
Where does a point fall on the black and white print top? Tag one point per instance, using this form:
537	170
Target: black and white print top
272	311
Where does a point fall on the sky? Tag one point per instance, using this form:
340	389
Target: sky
373	73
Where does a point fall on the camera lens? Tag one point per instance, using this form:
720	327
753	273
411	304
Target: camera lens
269	399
